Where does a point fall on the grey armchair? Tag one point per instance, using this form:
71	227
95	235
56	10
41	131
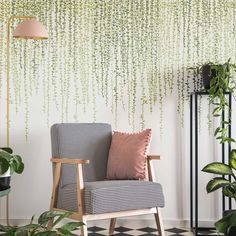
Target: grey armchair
79	156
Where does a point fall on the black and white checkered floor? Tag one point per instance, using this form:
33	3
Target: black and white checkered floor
119	231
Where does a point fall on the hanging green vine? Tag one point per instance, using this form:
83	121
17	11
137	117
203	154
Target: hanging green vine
129	54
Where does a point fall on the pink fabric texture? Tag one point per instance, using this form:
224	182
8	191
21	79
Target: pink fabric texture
127	155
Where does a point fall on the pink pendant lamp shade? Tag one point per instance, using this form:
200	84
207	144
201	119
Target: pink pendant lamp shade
30	29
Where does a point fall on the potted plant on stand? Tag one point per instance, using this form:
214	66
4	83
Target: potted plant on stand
221	80
210	71
9	164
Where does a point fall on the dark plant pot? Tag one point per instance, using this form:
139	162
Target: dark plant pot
233	229
207	75
5	183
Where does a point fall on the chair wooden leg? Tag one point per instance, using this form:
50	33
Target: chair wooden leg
160	226
84	231
112	226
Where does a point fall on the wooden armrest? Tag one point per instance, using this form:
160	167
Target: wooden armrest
153	157
69	161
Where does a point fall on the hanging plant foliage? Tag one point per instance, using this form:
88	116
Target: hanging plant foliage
128	54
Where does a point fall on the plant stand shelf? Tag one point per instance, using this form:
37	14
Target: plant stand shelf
194	158
5	193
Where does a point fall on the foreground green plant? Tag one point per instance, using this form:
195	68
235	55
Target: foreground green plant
221	81
228	186
41	228
8	160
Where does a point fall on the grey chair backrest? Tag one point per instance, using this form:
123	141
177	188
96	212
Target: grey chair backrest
87	141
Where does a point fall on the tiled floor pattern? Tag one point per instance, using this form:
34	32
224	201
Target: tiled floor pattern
119	231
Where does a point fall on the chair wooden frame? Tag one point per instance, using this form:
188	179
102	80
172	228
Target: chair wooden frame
81	216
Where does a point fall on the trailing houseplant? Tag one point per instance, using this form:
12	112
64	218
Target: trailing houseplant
47	225
9	164
221	81
217	79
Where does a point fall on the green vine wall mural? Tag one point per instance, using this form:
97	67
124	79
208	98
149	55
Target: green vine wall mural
131	53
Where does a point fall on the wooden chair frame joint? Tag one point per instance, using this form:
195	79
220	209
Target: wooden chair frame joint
153	157
69	161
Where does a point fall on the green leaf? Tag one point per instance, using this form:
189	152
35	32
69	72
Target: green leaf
20	168
17	159
5	228
61	217
229	191
5	155
217	109
47	233
218	168
217	131
29	227
212	82
71	226
4	165
216	183
224	224
229	140
12	167
32	219
7	149
215	103
226	122
212	90
232	160
45	217
21	233
65	232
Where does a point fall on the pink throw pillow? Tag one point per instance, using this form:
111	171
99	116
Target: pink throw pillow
127	155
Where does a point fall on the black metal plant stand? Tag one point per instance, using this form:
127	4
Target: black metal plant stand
194	159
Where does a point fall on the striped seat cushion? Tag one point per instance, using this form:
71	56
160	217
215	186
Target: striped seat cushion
113	196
